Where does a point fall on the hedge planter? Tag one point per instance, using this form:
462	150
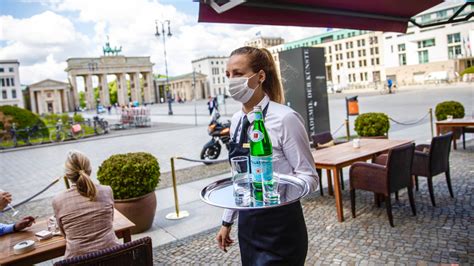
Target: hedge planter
133	178
456	109
141	211
372	125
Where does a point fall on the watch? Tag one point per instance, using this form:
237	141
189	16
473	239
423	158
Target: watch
226	224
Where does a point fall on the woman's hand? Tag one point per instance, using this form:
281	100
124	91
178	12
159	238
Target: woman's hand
223	238
5	198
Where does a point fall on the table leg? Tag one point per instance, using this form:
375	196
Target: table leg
338	195
127	237
328	174
438	130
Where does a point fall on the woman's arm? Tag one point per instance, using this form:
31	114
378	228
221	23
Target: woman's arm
295	145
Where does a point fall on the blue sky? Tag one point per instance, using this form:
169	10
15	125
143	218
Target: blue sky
43	34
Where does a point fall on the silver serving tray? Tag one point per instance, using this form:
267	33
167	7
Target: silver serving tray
220	193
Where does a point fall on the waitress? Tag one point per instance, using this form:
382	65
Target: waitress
276	235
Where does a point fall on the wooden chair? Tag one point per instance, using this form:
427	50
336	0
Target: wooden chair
321	141
135	253
431	160
384	180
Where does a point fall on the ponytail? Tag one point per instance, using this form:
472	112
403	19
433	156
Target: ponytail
78	170
262	59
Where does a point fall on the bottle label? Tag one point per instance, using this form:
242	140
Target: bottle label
258	116
261	168
256	136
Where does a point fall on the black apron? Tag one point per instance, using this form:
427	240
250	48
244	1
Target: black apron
274	236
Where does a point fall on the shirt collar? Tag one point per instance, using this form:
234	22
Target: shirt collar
263	103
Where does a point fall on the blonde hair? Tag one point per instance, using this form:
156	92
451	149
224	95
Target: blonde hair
78	171
262	59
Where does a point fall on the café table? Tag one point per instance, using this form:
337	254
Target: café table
339	156
51	248
453	123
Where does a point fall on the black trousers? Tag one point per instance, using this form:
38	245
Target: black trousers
275	236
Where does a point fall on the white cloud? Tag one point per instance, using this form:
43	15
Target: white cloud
46	40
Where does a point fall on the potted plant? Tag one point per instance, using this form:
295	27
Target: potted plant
133	178
372	125
453	108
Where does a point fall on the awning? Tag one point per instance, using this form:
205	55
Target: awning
376	15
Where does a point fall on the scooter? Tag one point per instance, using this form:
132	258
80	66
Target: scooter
219	132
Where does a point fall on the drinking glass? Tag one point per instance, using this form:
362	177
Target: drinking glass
52	224
15	212
241	180
270	185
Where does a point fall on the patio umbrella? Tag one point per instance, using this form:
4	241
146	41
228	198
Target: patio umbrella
377	15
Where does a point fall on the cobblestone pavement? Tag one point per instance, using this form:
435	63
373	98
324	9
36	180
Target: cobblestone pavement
442	234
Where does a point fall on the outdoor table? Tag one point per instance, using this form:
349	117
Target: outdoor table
339	156
453	123
51	248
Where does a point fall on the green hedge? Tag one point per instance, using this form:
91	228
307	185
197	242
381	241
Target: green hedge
130	175
456	109
21	117
469	70
372	124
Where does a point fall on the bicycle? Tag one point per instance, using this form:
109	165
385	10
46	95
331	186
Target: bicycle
60	133
100	126
385	90
16	137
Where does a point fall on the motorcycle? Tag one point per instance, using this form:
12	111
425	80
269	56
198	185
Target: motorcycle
219	132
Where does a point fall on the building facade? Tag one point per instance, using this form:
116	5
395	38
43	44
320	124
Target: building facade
10	87
185	87
50	96
432	54
264	42
214	68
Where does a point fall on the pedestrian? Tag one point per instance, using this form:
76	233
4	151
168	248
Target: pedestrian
109	108
389	84
210	105
275	236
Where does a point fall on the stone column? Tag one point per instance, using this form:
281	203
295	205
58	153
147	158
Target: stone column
34	109
64	101
89	91
75	94
104	90
148	88
122	94
135	89
41	103
57	108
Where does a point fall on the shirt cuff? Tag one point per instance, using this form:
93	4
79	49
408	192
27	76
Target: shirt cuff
9	229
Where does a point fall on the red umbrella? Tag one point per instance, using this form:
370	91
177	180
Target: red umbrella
378	15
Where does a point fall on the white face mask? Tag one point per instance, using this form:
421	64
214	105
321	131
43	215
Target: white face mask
239	89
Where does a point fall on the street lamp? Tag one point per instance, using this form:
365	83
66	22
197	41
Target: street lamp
157	35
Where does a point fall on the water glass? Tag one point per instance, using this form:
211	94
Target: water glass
9	205
449	117
241	180
270	185
356	143
52	224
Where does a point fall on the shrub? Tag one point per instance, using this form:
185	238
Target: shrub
469	70
449	108
130	175
21	117
78	118
372	124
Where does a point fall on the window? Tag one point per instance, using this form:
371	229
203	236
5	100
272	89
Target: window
8	82
4	94
376	50
423	57
14	94
454	38
454	51
218	80
426	18
212	62
348	55
2	70
401	47
361	77
365	76
329	49
442	14
402	59
12	82
426	43
213	80
377	61
350	78
10	69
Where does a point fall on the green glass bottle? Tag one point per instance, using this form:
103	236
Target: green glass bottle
260	154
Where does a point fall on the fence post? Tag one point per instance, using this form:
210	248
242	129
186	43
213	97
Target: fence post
431	121
348	131
175	215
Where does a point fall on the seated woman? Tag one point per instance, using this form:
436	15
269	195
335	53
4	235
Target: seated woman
84	212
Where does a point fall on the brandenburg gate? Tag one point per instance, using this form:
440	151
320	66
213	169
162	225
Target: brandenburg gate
117	65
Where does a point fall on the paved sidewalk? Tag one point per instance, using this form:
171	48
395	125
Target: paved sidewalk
442	234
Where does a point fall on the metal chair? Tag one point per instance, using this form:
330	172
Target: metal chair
384	180
135	253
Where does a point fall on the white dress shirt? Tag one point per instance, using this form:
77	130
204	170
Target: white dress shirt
291	149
